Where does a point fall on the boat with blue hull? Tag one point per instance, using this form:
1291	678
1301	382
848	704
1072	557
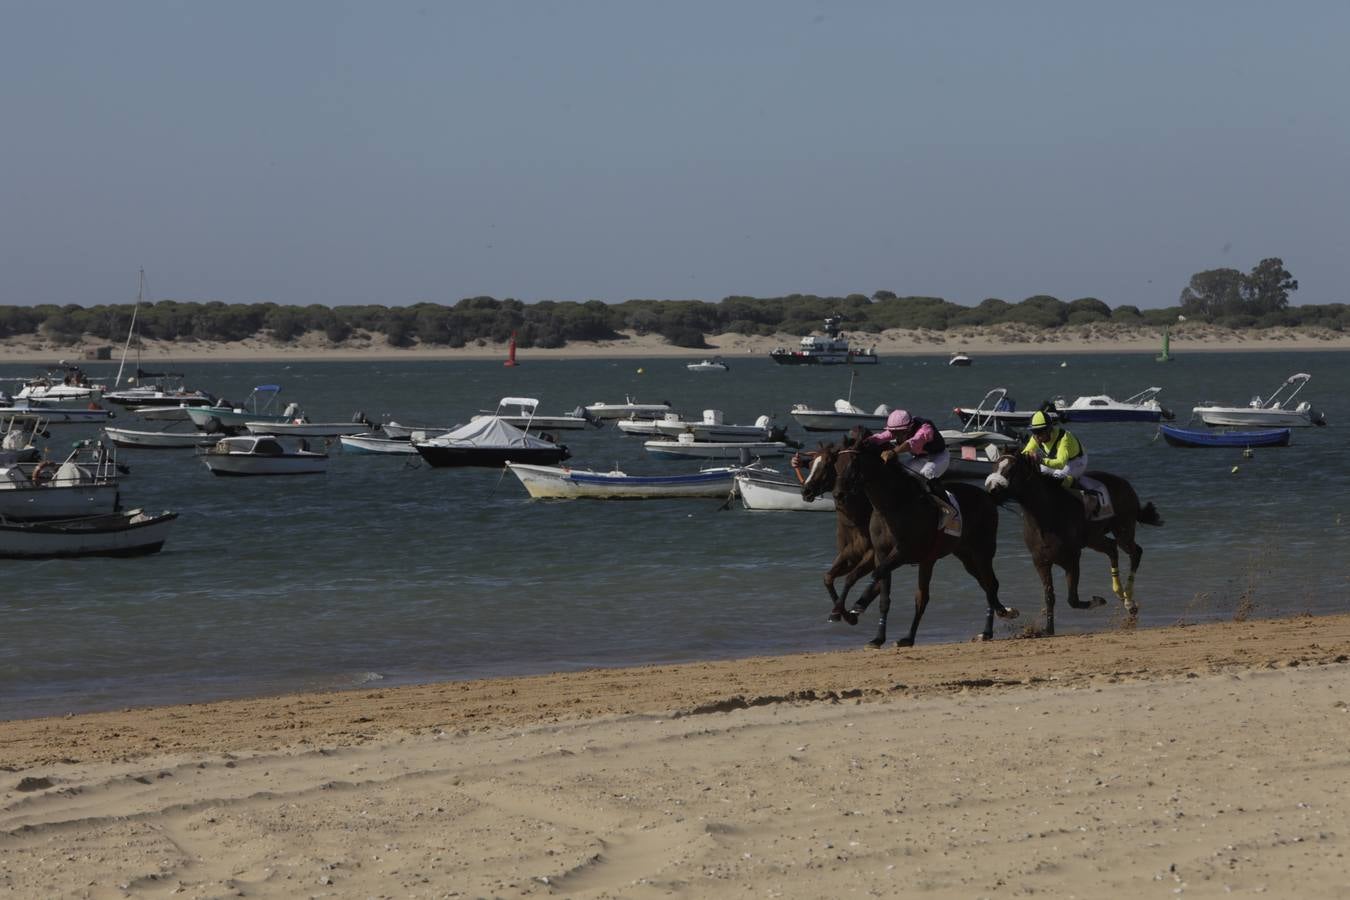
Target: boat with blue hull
1185	437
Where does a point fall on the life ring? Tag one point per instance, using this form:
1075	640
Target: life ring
43	472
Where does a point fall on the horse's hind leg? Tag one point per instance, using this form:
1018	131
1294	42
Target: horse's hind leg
1136	554
1072	573
1048	594
920	603
982	570
1104	543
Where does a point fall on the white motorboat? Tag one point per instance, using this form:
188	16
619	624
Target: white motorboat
489	442
1141	407
628	409
712	427
261	455
160	440
831	350
561	483
158	394
959	359
131	533
1278	411
70	385
709	365
377	443
85	484
17	440
997	411
302	427
259	406
758	492
525	416
686	447
414	432
843	417
55	415
161	413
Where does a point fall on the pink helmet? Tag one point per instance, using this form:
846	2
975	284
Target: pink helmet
898	419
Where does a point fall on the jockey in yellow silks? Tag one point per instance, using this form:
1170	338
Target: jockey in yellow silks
1056	450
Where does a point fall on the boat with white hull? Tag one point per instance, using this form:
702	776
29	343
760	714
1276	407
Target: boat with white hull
561	483
131	533
844	417
709	365
685	447
304	428
261	455
628	409
760	493
1141	407
76	487
831	350
260	406
160	440
54	415
996	411
376	443
526	418
415	432
712	427
1278	411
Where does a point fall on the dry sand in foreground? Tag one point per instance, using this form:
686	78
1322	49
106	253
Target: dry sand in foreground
1185	760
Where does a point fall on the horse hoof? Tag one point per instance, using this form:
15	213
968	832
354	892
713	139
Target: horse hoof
1009	612
981	638
875	643
1096	602
834	617
905	642
851	617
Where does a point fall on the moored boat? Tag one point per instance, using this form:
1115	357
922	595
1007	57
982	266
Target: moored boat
959	359
628	409
261	455
1184	437
131	533
709	365
302	427
562	483
489	442
84	484
1278	411
1141	407
376	443
831	350
160	440
259	406
759	492
685	447
526	418
997	411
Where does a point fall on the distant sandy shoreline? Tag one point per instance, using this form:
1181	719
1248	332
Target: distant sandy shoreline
1201	759
996	340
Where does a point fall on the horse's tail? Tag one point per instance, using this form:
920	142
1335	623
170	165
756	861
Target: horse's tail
1149	515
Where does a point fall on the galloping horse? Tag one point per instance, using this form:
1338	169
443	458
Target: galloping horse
854	556
1056	529
904	529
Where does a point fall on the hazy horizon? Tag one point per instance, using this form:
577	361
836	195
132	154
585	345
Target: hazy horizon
343	153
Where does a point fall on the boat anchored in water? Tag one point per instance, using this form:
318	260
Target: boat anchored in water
262	455
1141	407
628	409
709	365
831	350
1275	412
561	483
131	533
491	441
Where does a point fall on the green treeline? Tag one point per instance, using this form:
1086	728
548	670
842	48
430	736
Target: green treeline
1224	297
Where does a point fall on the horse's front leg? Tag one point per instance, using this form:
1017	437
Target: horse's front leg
867	564
1136	554
843	563
1043	568
982	570
920	602
883	611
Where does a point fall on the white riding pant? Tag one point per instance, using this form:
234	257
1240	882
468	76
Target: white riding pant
1073	469
930	465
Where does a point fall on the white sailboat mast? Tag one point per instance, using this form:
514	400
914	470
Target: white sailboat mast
140	295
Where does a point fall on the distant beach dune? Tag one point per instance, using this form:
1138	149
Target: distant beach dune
1185	338
1192	761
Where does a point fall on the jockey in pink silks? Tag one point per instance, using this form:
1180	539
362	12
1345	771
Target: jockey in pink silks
927	457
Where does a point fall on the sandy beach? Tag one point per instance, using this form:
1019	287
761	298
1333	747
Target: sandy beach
1197	760
1002	339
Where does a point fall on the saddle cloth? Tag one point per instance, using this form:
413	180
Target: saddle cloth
953	527
1096	499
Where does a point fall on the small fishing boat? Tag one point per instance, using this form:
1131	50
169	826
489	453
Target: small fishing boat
524	416
562	483
1141	407
159	392
259	406
628	409
959	360
377	443
1275	412
761	492
843	417
84	484
709	365
686	447
161	413
160	440
69	385
997	411
303	427
17	440
54	415
489	441
1182	437
712	427
131	533
261	455
414	432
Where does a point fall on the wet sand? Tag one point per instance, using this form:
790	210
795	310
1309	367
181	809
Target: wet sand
1190	759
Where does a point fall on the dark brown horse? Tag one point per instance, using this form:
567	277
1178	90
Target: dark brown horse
1056	528
904	531
854	556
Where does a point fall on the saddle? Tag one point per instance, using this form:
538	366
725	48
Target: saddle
1096	499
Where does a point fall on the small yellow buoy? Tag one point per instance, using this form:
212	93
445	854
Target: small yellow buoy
639	370
1235	468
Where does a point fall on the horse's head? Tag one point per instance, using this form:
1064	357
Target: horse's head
820	477
1011	472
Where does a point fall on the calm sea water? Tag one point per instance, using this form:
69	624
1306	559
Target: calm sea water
395	572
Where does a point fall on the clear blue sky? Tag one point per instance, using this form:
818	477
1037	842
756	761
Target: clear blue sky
392	152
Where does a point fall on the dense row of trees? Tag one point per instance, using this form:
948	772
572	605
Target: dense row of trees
1222	296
